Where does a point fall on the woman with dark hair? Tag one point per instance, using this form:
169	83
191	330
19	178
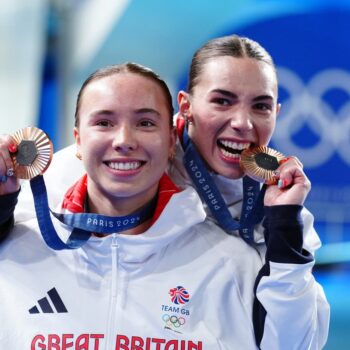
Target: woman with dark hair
126	241
231	105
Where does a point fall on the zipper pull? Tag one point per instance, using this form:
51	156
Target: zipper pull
115	241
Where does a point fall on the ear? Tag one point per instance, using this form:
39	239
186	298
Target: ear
278	108
172	145
76	137
183	100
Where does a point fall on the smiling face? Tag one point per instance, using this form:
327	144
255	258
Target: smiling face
125	141
233	106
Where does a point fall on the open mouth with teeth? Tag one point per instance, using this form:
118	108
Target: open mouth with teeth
126	166
232	149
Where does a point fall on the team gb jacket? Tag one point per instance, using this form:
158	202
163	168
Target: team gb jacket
181	285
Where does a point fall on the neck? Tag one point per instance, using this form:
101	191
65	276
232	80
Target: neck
143	227
121	207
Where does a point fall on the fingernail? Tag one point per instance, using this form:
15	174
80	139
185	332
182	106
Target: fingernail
9	172
280	183
284	160
12	148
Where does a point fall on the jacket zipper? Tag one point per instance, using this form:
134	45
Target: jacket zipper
111	327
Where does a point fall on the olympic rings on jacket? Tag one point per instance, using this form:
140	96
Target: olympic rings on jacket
173	320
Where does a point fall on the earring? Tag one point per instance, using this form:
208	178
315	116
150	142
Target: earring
78	155
188	119
172	156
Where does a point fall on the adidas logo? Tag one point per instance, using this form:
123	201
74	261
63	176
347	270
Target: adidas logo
46	306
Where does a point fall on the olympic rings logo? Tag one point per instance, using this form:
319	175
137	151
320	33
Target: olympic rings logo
173	321
307	106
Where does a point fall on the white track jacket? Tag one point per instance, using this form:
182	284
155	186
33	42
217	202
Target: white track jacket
181	285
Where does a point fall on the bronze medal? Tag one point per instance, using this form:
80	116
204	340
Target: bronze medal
34	152
260	163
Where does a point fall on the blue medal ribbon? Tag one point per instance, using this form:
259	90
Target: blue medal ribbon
252	207
83	223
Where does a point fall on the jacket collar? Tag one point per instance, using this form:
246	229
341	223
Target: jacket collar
74	199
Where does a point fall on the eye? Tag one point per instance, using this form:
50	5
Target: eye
221	101
104	123
263	107
147	123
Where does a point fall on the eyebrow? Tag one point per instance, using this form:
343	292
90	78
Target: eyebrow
232	95
225	92
262	98
137	111
147	110
101	112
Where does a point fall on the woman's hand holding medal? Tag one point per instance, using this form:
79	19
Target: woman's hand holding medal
9	183
292	185
286	180
23	155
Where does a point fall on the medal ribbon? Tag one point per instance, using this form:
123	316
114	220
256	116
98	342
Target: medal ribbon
83	223
252	207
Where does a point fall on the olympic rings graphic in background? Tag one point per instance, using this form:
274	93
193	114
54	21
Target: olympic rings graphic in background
306	107
173	321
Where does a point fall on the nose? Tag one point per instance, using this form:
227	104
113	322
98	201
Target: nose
124	139
241	121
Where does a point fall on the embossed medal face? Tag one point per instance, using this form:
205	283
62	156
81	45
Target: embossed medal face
34	152
260	163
